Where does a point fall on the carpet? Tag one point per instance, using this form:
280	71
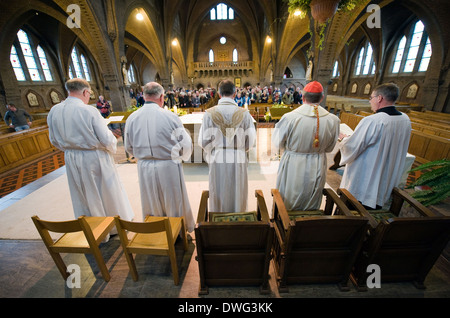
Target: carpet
52	201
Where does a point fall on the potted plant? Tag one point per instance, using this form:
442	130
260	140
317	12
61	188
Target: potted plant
321	10
433	185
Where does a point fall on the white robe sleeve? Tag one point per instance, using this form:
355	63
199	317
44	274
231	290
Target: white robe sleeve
366	134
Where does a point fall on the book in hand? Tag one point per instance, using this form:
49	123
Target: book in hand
345	129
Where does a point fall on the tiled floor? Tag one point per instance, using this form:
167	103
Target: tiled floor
26	270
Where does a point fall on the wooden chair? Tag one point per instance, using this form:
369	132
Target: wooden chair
233	252
316	246
154	236
405	248
83	235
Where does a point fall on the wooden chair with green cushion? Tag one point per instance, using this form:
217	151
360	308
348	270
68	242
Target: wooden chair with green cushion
233	248
316	246
405	248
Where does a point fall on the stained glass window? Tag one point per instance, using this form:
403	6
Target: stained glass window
131	76
360	59
221	12
426	56
87	74
414	47
235	55
44	64
28	56
17	66
211	56
336	69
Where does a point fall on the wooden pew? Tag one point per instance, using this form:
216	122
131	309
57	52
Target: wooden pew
352	120
23	147
277	112
428	147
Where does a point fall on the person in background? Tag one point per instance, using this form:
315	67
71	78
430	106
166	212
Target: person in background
20	119
103	106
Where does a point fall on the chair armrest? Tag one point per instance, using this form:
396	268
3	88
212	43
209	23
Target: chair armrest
203	207
347	197
261	207
278	205
331	199
404	196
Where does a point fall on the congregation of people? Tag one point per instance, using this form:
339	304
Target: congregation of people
186	98
157	139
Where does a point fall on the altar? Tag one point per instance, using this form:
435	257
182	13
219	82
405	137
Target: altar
193	122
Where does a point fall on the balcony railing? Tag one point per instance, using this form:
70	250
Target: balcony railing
213	69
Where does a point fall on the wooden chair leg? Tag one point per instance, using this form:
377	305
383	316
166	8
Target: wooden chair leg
60	264
173	263
101	264
132	266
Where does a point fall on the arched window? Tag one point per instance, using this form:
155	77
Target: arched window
399	55
221	12
426	56
28	56
34	57
44	64
211	56
79	65
17	66
87	74
131	76
336	69
365	63
360	59
235	55
413	51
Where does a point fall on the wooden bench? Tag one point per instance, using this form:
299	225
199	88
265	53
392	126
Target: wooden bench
428	147
404	247
22	147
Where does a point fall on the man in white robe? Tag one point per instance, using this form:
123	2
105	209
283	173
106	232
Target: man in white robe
305	135
227	134
374	155
159	141
81	132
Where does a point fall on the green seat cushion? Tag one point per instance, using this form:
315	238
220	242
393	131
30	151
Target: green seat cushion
381	214
302	214
233	217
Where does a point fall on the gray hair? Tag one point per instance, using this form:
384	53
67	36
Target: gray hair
153	89
77	85
389	91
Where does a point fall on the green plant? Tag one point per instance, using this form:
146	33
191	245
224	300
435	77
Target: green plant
132	108
434	182
304	5
267	116
282	105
